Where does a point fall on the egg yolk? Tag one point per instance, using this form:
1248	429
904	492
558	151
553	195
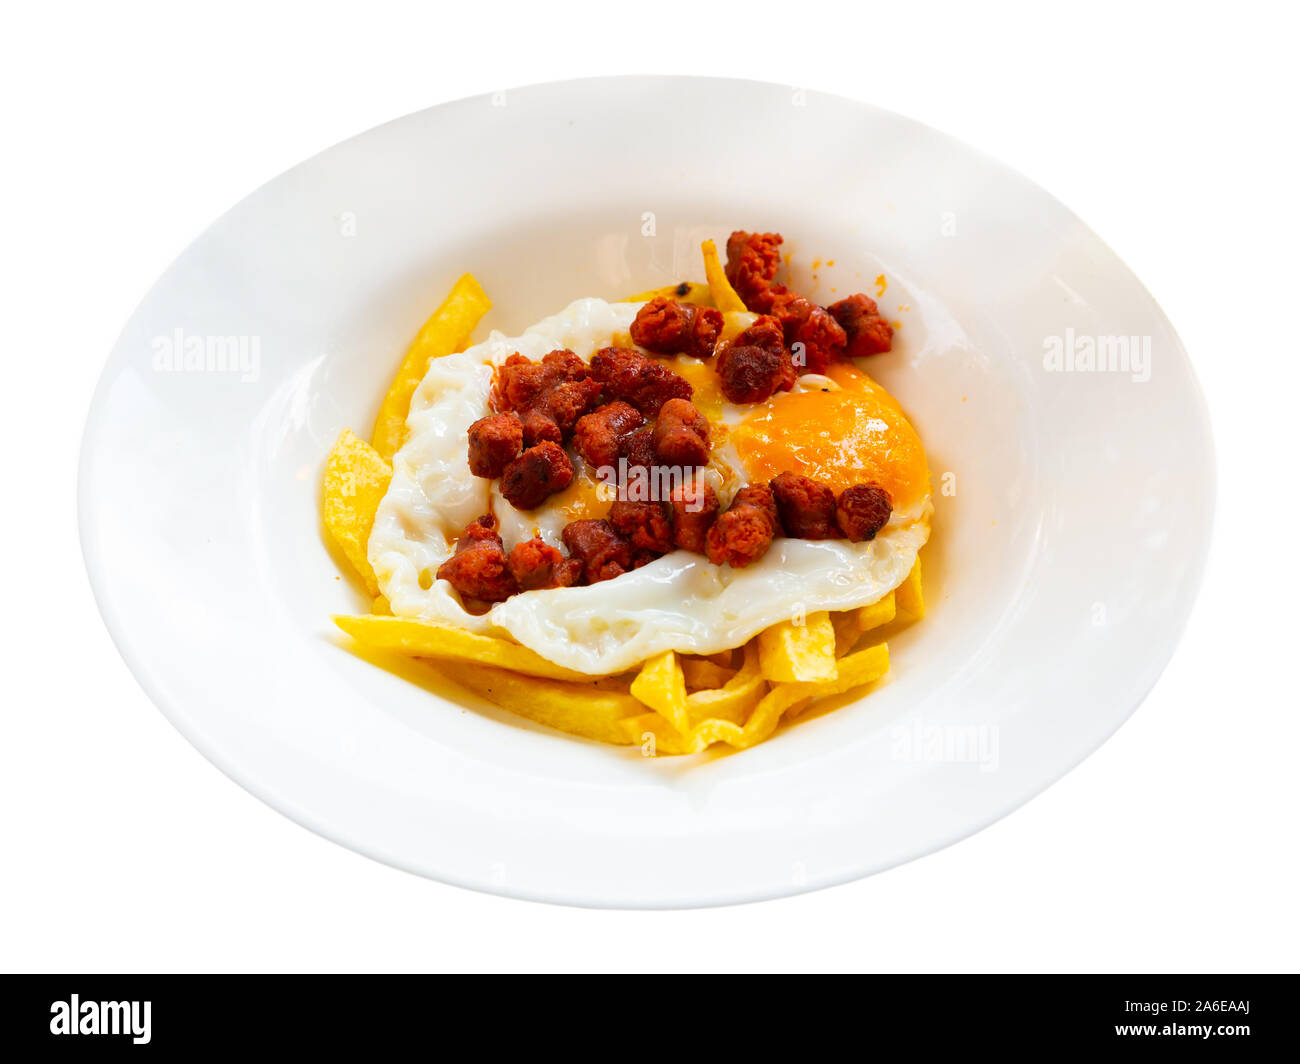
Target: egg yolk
855	435
706	389
584	499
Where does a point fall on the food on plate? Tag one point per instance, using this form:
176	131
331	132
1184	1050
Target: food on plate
356	478
668	521
448	329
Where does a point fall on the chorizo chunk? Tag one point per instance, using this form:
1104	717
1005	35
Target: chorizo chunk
863	510
536	474
743	534
752	374
766	331
695	507
538	425
638	447
752	262
670	328
681	434
522	383
535	564
563	365
804	323
644	524
567	402
806	507
756	364
866	331
478	568
494	442
635	379
603	552
597	435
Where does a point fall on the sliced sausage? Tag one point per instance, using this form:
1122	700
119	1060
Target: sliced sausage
535	475
742	534
668	327
494	442
603	552
644	524
752	262
681	434
597	435
863	510
866	331
806	507
694	508
636	379
535	564
478	569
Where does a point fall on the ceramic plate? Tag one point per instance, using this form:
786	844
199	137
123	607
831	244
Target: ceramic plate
1074	493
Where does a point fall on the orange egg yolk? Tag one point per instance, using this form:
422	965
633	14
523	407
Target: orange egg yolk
583	500
706	388
855	435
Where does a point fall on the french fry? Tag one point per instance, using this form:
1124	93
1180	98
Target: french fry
586	710
855	670
686	292
661	685
909	596
447	329
878	613
724	296
734	700
421	640
798	653
703	674
668	740
352	486
847	632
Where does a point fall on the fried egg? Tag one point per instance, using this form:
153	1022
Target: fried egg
841	428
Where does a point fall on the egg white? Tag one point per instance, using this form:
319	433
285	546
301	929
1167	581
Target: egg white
680	601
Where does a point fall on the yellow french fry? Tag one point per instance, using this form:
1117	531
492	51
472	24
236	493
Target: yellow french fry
667	740
661	685
798	653
421	640
850	624
352	486
724	296
734	700
855	670
686	292
908	594
724	659
847	632
447	329
878	613
703	674
587	710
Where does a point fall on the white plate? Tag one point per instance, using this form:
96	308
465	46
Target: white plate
1060	574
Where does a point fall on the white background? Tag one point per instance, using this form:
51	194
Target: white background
1170	129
